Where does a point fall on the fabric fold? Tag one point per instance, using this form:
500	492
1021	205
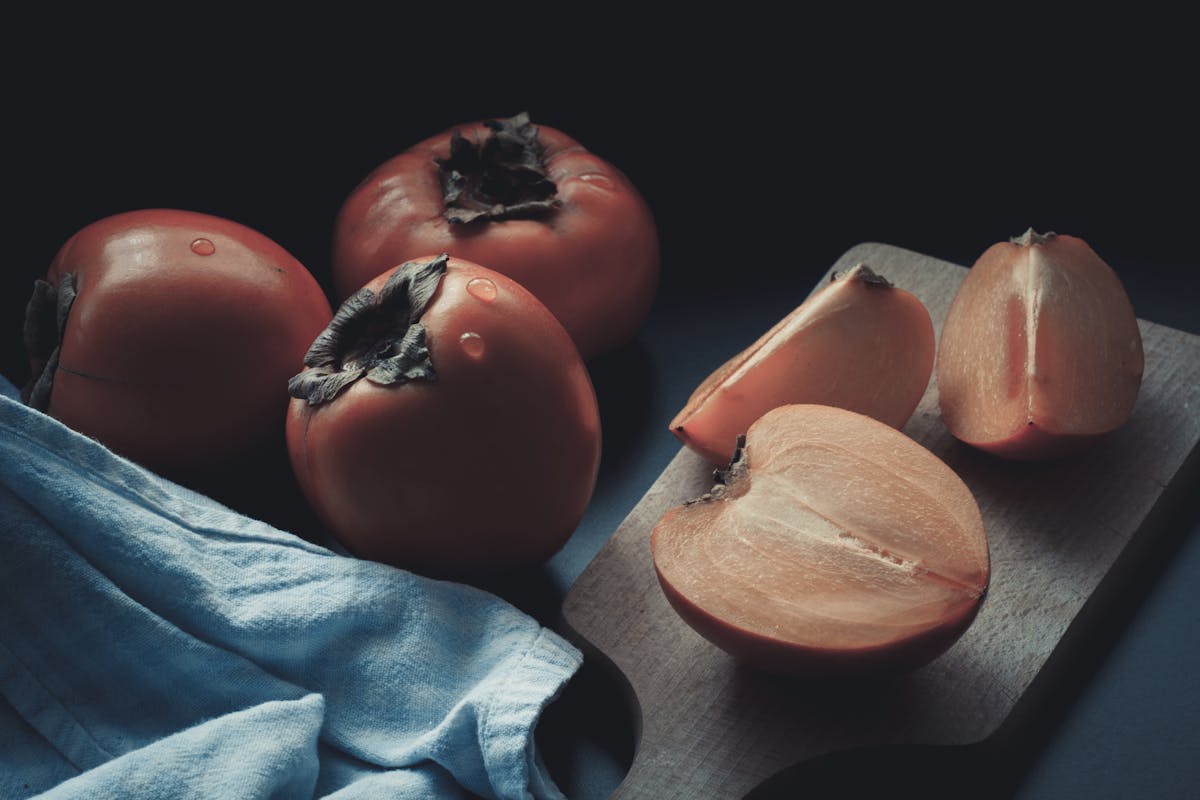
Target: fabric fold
135	610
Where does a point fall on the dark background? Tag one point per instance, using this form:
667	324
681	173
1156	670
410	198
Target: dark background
765	149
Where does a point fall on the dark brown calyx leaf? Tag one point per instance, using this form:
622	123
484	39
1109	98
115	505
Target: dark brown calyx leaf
726	477
374	336
45	321
1031	237
861	272
503	177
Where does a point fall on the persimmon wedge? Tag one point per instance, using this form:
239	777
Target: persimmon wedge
858	343
1040	353
832	545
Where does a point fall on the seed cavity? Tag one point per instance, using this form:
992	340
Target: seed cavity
870	547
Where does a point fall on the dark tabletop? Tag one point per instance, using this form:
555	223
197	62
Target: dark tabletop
764	158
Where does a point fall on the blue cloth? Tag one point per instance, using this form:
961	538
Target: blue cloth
154	643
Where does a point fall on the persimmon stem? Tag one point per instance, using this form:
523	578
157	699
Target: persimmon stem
502	177
374	336
1032	237
725	477
737	464
861	272
45	321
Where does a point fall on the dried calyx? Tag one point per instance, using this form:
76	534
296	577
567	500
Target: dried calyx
861	272
502	177
377	336
728	476
1031	237
45	320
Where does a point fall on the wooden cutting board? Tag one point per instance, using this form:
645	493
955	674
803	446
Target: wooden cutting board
713	729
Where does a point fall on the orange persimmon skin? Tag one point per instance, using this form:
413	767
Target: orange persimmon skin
1040	353
857	343
594	262
489	467
840	546
179	345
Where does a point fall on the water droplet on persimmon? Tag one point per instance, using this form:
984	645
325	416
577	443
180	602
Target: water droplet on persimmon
473	345
483	289
598	180
203	247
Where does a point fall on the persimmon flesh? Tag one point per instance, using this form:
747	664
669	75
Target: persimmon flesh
835	545
1040	353
857	343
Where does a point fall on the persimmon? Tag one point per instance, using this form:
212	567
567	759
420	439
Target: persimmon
833	544
445	423
1040	353
858	343
525	200
169	336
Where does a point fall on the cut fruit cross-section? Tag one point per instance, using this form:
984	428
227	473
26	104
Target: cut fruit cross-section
834	545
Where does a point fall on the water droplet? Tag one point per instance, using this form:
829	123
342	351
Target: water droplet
482	289
599	180
472	344
203	247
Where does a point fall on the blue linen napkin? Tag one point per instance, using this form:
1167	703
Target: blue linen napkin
155	644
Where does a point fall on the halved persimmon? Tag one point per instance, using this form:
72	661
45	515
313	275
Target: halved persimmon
1040	353
833	545
858	343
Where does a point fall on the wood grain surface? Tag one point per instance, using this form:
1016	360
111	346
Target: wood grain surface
714	729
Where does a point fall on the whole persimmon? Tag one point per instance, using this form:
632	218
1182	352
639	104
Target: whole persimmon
525	200
170	335
833	545
1040	353
445	423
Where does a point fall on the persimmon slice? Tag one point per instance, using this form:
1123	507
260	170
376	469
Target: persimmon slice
858	343
1040	353
833	545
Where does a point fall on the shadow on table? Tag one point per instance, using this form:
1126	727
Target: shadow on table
1000	765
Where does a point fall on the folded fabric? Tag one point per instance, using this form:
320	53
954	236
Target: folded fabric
154	643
